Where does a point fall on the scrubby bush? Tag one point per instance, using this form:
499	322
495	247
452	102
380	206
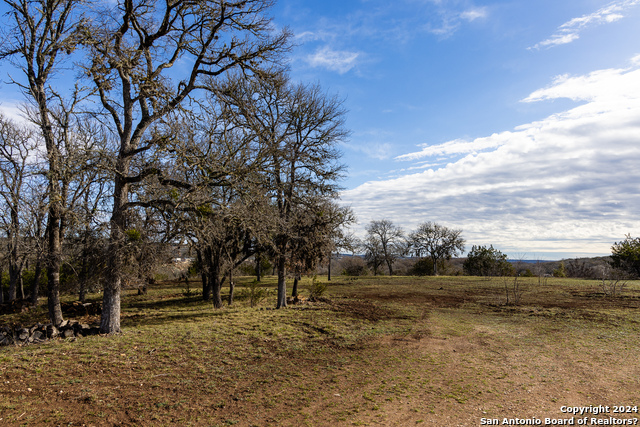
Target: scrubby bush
254	293
353	266
317	288
422	267
625	255
487	262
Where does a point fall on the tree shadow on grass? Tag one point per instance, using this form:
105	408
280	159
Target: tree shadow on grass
159	319
170	310
173	302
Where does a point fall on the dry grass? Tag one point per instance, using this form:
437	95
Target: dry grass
379	351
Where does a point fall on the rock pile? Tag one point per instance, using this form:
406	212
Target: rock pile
78	309
15	306
39	333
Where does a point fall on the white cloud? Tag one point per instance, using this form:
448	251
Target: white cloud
12	110
339	61
373	144
564	184
306	36
570	30
473	14
454	147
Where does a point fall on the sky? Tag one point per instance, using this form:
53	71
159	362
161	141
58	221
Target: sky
516	121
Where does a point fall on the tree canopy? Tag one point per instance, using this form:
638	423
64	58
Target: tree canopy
625	255
437	242
486	261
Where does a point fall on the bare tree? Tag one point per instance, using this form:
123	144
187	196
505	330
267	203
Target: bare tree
373	253
36	231
341	238
389	238
304	164
17	154
134	48
437	242
299	126
223	238
41	33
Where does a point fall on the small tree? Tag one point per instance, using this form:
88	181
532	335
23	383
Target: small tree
373	254
437	242
560	271
299	127
16	146
487	262
389	241
614	281
625	255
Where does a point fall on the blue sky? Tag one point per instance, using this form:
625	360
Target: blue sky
517	121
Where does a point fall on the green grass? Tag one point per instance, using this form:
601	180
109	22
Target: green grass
382	350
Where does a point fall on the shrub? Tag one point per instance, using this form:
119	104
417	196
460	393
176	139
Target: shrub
422	267
353	266
486	261
254	293
317	288
625	255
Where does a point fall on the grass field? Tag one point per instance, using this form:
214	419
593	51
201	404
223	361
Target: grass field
401	351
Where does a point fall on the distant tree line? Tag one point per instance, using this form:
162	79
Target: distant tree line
432	247
385	243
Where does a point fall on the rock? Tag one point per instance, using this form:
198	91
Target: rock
23	334
52	331
38	337
67	333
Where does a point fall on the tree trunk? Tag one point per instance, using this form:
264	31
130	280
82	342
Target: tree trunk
20	285
206	288
231	286
13	281
1	288
35	286
110	318
216	285
53	266
82	293
294	290
390	265
282	283
258	268
84	273
329	269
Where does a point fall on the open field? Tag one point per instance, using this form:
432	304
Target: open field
403	351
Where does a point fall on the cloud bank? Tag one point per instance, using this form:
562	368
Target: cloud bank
563	186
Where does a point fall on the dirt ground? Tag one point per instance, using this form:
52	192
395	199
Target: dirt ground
437	357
